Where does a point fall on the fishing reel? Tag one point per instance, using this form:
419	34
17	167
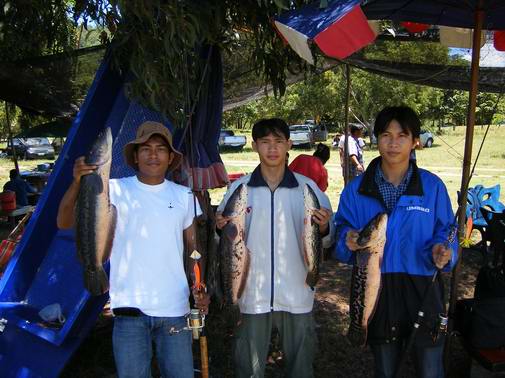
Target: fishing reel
195	321
440	327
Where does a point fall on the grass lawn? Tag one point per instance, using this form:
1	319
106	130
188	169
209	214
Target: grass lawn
445	159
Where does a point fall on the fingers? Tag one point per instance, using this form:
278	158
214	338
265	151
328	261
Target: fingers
441	255
221	221
351	240
322	217
202	301
81	168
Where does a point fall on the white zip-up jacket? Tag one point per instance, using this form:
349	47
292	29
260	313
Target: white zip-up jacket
274	225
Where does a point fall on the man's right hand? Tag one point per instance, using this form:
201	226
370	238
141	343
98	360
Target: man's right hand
351	240
221	221
81	169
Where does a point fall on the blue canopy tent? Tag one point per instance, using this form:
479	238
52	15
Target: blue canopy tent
478	15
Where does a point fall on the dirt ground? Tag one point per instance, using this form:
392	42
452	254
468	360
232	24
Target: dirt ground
336	356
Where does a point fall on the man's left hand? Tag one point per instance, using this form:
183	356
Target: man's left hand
441	255
322	218
202	301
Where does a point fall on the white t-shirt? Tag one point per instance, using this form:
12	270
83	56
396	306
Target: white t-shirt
146	264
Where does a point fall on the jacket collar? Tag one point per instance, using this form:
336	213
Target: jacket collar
368	186
257	180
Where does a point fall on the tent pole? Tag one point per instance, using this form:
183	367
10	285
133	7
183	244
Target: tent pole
9	133
479	20
346	124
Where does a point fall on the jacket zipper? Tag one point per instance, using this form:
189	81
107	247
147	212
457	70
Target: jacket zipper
272	250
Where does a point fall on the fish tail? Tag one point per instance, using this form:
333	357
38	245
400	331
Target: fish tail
357	335
312	278
96	281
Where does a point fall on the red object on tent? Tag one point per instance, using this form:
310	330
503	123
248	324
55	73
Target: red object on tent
350	34
414	27
499	40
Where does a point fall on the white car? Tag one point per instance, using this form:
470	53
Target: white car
426	138
301	136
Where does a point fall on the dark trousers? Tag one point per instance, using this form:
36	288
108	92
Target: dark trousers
252	339
428	361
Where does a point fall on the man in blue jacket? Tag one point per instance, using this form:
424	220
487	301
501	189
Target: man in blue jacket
420	219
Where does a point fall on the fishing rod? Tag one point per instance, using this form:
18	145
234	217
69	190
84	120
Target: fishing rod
442	321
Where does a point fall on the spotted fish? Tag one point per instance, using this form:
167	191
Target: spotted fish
235	257
311	238
366	278
95	217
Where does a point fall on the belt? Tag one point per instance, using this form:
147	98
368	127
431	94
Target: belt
127	311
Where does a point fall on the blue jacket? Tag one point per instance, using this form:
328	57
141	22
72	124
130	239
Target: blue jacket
422	217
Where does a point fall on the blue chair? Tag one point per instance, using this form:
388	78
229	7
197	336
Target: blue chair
478	198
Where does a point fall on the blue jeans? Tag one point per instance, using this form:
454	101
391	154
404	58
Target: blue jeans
428	361
133	337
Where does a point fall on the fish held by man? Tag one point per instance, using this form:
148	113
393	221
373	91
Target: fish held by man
95	216
235	257
366	278
311	237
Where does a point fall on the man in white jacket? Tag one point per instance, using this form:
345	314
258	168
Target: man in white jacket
275	294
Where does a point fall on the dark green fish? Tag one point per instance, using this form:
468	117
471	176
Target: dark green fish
235	257
311	238
366	278
95	216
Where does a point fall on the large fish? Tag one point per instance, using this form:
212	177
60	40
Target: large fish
95	216
311	238
366	278
235	257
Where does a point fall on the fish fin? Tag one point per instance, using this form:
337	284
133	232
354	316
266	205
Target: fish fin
245	274
96	281
312	279
112	231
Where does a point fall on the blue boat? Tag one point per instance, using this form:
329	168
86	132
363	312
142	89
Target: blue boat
44	268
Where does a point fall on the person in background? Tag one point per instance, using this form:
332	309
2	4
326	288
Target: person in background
420	220
313	166
354	152
20	187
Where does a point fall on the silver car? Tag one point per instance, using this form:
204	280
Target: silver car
426	138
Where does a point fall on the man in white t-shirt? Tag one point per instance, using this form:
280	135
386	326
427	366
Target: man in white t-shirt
354	151
148	287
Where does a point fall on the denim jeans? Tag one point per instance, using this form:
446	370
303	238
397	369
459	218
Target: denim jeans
428	361
133	338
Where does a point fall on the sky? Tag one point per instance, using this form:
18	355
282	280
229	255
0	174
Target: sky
489	56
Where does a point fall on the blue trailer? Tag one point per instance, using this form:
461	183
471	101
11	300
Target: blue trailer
44	269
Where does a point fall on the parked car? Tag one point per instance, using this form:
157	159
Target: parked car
320	133
426	138
31	148
228	140
301	136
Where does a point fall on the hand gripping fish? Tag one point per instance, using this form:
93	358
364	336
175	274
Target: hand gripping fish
235	257
311	237
95	217
366	278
